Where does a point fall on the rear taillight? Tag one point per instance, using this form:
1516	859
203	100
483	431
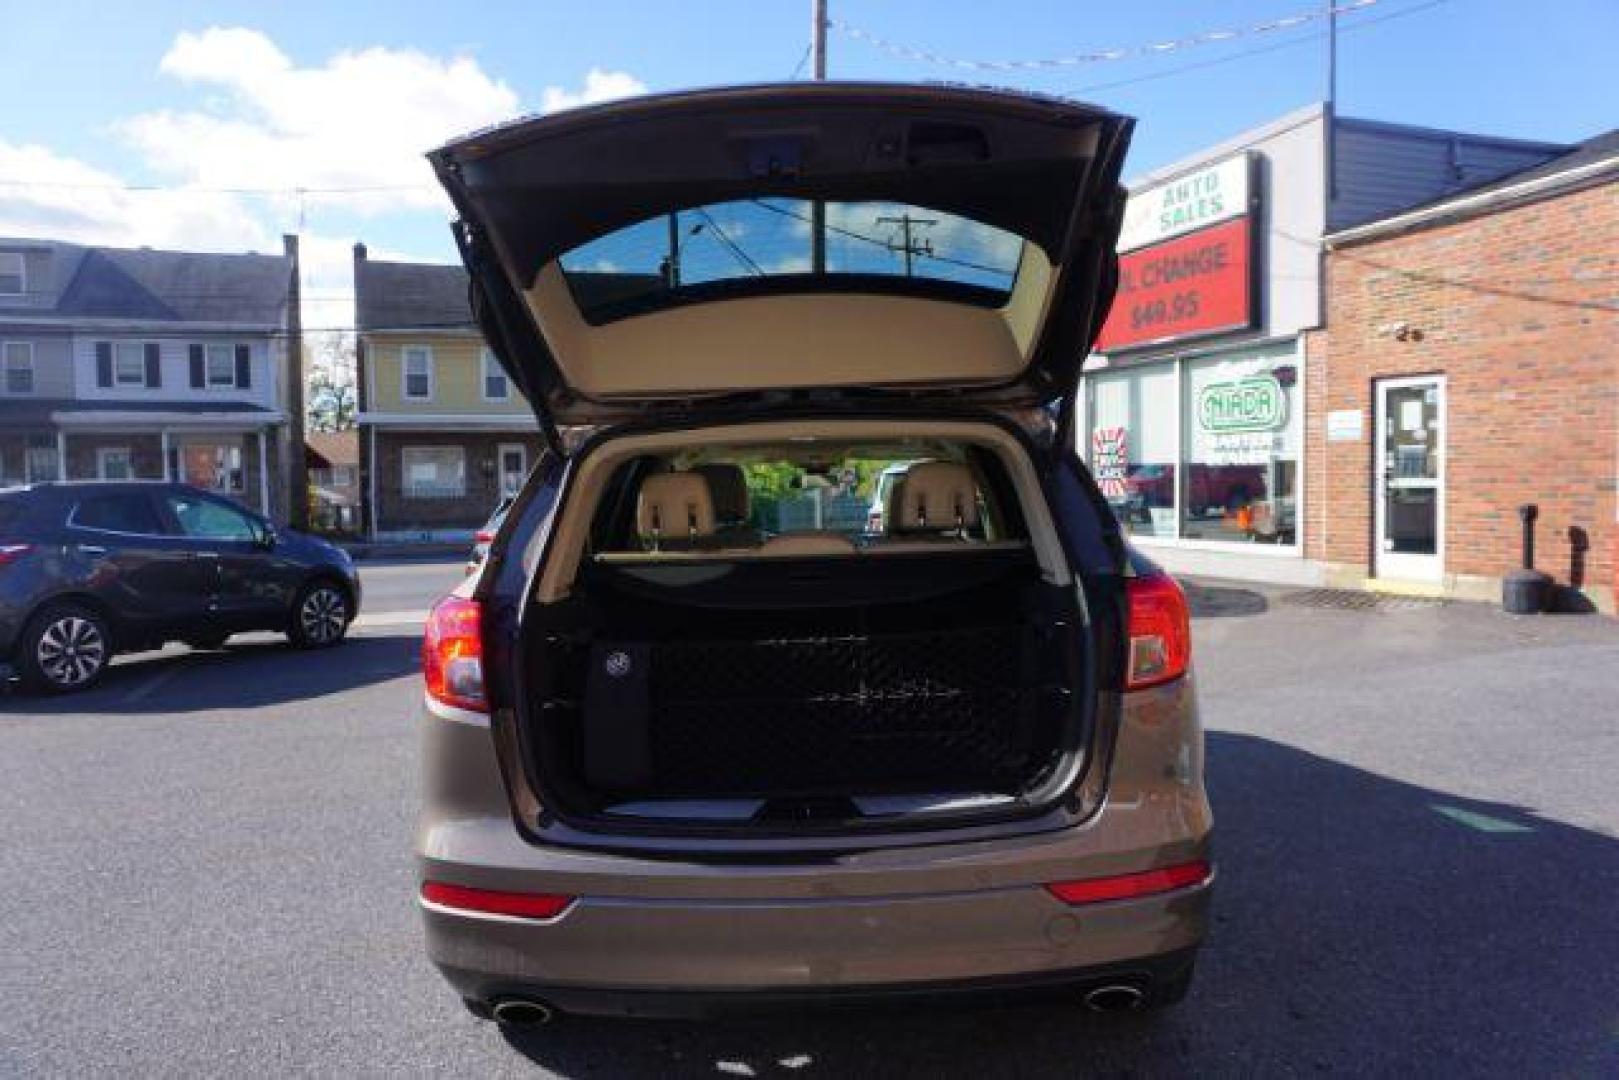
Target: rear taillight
1160	631
483	536
491	902
10	553
452	654
1128	886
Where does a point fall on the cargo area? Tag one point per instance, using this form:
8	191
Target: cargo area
708	664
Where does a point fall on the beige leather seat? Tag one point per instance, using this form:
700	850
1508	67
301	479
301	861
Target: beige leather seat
934	499
732	506
675	511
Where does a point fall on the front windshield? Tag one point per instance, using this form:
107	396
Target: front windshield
757	239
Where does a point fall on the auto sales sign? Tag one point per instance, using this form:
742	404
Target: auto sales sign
1186	259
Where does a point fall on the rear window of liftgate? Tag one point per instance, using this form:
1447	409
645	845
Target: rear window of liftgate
757	246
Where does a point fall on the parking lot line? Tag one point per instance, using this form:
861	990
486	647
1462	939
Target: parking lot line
390	618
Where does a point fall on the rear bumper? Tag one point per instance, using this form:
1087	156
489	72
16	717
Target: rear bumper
1145	975
628	956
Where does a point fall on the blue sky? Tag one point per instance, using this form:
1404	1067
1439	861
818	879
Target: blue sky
208	95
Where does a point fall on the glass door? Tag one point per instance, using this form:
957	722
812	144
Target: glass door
1410	479
513	468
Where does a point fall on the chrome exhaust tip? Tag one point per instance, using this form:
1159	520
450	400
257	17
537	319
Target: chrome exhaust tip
521	1012
1115	998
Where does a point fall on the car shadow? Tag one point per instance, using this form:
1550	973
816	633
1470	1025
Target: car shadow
245	674
1362	925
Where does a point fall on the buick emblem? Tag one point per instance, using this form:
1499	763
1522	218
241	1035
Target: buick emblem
618	664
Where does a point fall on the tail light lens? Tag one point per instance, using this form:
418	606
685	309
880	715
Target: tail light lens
10	553
488	901
1128	886
1160	631
483	536
452	654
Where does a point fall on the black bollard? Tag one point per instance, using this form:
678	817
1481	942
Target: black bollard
1526	591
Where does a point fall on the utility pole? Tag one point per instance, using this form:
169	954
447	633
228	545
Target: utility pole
671	277
905	223
1332	102
818	73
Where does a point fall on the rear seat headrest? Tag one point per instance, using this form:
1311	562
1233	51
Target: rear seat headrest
937	495
729	487
675	506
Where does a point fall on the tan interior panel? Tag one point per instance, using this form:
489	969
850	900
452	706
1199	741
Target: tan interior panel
793	340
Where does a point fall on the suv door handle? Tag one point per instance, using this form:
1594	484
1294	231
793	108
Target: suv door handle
91	549
205	554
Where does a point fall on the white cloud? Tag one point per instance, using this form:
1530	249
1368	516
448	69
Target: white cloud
599	86
362	119
66	199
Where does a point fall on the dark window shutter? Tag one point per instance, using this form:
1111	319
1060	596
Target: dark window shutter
199	367
244	367
103	363
154	365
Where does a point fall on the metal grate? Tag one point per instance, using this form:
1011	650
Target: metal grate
1356	600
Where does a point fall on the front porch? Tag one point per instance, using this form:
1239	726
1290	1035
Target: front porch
236	462
430	482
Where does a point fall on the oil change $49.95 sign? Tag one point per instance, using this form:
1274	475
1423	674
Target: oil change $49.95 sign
1198	283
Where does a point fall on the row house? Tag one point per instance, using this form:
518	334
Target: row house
444	434
142	364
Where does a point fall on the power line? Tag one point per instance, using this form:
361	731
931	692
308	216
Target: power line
882	243
730	245
1158	48
798	69
202	189
1258	50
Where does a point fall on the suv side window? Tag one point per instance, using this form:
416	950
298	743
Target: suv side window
204	519
120	512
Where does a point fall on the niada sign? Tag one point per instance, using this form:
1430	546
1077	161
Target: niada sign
1190	202
1255	403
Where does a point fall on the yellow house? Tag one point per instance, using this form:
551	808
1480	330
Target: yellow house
443	433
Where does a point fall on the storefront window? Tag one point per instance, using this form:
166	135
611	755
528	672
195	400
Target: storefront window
1242	422
1132	448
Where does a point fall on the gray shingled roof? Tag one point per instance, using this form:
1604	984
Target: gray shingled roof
149	285
410	296
1589	152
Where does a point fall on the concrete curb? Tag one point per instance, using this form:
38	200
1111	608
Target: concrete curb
407	550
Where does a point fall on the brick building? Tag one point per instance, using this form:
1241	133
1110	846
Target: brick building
1470	364
1195	405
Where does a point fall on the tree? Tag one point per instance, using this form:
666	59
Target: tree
333	398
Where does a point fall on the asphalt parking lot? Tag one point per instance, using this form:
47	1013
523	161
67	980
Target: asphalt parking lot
206	866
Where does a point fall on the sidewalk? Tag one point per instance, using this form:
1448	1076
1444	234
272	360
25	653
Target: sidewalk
361	550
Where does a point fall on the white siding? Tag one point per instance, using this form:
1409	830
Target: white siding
176	370
1292	190
53	366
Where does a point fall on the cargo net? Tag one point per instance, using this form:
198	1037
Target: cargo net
945	710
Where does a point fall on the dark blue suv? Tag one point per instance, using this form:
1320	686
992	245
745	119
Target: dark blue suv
88	570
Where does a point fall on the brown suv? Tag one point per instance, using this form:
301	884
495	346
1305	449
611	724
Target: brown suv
698	735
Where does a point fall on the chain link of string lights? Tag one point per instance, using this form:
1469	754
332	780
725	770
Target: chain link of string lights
1158	48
